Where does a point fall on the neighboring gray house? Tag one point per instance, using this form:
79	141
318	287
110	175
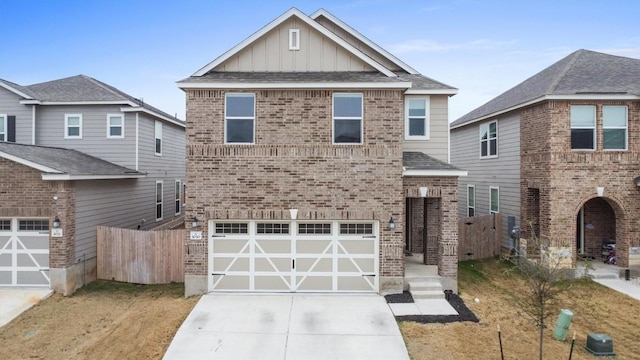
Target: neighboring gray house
84	153
559	153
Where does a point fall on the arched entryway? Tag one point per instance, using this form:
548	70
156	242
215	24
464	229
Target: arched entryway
599	230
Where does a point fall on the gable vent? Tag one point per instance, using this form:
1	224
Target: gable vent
294	39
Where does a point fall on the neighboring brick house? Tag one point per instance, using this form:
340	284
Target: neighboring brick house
559	153
307	147
76	153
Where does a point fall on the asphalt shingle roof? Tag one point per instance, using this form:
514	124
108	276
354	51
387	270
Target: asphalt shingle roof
68	161
415	160
581	72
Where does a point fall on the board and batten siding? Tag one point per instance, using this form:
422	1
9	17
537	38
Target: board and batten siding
503	171
438	144
121	151
10	106
271	53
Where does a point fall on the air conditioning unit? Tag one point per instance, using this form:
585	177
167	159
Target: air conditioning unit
600	345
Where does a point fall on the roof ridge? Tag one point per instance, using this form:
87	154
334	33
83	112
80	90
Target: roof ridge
554	84
105	86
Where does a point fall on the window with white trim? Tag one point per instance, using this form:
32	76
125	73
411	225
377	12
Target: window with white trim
158	137
3	127
239	122
294	39
417	118
347	118
489	139
471	200
178	196
614	127
73	126
115	126
232	228
583	127
494	199
158	200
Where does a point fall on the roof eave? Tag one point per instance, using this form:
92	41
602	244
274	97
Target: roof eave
153	113
14	90
107	102
442	172
449	92
29	163
64	177
316	85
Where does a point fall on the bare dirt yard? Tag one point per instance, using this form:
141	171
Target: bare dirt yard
104	320
596	309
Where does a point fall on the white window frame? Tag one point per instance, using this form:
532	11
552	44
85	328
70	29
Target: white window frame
594	127
157	136
294	39
5	123
161	203
231	118
488	140
66	126
178	196
427	120
491	189
109	126
469	206
351	118
625	127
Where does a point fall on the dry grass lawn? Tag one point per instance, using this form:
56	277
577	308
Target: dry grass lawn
596	309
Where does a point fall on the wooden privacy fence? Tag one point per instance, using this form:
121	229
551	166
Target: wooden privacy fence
479	237
140	257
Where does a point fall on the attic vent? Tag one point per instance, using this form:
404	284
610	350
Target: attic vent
294	39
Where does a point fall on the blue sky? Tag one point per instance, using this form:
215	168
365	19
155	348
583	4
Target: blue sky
143	47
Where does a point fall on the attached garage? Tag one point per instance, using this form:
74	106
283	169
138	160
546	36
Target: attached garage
293	256
24	252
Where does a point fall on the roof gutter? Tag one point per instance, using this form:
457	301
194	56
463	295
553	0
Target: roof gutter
410	172
317	85
63	177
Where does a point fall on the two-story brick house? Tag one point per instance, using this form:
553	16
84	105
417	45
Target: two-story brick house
559	154
308	146
76	153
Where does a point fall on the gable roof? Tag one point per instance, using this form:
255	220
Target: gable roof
65	164
80	90
583	74
415	163
381	77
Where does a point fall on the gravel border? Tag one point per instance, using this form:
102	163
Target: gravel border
464	314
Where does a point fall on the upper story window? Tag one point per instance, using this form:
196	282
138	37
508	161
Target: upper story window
614	127
159	200
73	126
294	39
471	200
3	127
158	137
115	126
178	197
239	124
489	139
583	127
494	199
347	118
417	119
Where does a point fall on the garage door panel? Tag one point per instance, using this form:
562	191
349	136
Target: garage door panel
32	278
5	260
33	243
274	246
314	283
231	282
230	246
230	264
304	246
24	254
273	264
355	283
314	264
5	277
356	247
272	283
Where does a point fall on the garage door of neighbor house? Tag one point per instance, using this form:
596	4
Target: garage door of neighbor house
24	252
293	256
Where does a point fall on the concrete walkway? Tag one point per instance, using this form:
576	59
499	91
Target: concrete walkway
14	301
609	276
289	326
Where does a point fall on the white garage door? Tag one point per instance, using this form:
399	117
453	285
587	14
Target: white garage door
293	256
24	252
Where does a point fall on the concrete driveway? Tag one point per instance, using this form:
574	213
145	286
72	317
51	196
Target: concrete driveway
15	300
289	326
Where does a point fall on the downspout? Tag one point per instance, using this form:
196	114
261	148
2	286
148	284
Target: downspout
33	124
137	139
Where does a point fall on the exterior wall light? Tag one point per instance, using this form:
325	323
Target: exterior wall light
392	224
56	223
194	222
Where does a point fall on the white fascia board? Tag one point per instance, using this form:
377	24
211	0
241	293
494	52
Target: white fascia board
29	163
364	39
114	102
431	92
63	177
406	173
551	97
152	113
358	85
293	11
14	90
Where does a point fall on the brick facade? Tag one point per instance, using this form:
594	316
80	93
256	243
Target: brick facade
566	180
